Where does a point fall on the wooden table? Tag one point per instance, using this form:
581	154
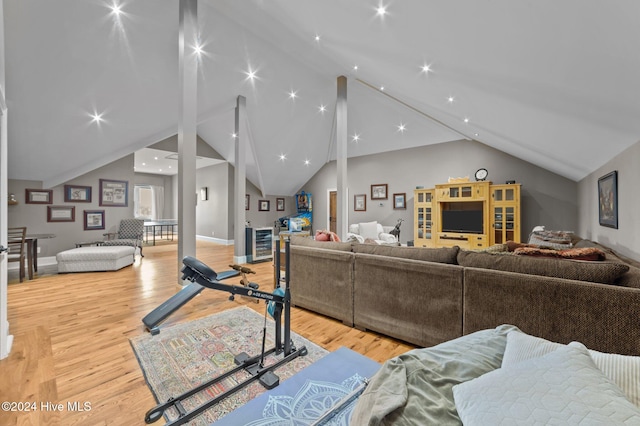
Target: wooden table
32	250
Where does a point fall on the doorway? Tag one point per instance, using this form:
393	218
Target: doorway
333	211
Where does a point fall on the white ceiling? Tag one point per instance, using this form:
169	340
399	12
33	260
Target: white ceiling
159	162
553	82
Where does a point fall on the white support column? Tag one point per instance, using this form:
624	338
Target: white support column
240	182
187	129
341	154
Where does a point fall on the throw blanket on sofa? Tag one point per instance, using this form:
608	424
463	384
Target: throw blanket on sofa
416	387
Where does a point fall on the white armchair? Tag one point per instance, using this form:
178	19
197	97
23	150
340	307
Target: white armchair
373	231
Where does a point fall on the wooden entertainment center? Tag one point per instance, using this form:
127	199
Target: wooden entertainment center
470	215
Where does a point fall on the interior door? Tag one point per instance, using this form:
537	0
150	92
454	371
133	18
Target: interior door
5	339
333	211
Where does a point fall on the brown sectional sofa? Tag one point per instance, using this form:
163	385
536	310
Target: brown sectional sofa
427	296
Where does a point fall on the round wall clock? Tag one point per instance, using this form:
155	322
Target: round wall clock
481	174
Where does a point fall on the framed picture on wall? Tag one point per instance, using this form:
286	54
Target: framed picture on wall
77	194
61	214
114	193
400	201
263	205
246	201
608	200
280	204
38	196
360	202
93	219
379	191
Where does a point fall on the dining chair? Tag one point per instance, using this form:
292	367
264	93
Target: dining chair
16	246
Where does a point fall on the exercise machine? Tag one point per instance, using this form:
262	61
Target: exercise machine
276	302
154	318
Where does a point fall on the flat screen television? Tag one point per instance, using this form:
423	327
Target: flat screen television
464	221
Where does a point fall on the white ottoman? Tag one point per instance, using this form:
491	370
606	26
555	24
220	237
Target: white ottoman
100	258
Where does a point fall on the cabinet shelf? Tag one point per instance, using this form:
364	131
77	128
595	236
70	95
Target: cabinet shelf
498	204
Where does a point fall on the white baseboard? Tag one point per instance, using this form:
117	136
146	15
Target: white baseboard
42	261
215	240
239	260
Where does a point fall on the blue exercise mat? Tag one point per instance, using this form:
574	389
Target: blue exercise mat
309	394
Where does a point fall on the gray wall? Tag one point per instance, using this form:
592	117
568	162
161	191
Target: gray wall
547	199
34	216
625	239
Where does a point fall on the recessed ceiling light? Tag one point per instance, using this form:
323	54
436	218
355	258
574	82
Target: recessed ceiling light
115	9
450	99
233	135
293	94
317	37
159	169
283	157
355	137
97	118
155	158
144	164
466	119
198	49
322	108
307	162
355	68
426	68
402	127
251	74
382	88
476	134
381	10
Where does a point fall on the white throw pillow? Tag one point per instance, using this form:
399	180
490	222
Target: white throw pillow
561	387
369	230
623	370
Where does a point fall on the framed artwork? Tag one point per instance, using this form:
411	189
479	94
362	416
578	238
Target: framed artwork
114	193
400	201
61	214
93	219
204	193
77	194
280	204
608	200
379	191
38	196
360	202
263	205
246	201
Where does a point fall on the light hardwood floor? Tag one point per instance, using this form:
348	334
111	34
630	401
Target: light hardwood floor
72	336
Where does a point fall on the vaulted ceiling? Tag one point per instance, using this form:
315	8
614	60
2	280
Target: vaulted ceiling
555	83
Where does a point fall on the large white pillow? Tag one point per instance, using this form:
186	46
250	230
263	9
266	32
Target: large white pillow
369	230
623	370
562	387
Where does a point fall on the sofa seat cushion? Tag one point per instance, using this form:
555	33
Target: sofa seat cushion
599	272
439	255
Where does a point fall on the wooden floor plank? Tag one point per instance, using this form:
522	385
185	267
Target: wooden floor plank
71	335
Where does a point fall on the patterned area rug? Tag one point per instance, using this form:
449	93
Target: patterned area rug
185	355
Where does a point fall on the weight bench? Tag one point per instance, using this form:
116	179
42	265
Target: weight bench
153	319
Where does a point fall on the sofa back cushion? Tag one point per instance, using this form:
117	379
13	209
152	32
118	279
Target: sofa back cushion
599	272
439	255
310	242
